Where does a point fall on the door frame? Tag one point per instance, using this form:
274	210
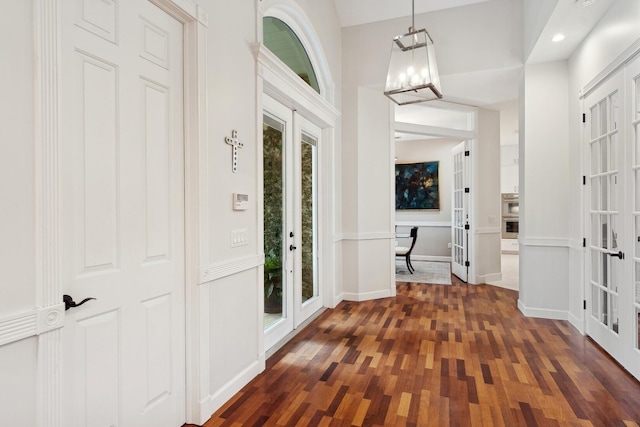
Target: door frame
49	289
277	80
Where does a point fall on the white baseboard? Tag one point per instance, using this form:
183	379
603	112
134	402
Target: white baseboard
577	323
213	402
542	313
338	299
366	296
486	278
430	258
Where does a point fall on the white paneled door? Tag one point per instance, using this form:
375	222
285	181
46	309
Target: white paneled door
613	293
460	212
122	210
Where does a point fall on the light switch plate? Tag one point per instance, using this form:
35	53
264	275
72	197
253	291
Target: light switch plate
239	238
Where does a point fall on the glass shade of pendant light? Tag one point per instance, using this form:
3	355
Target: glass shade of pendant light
413	74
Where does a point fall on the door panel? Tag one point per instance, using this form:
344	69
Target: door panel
278	221
290	206
307	298
460	215
633	312
122	212
613	295
605	215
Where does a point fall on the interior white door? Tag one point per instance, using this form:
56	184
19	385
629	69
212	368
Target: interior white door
459	212
307	296
631	305
122	210
606	230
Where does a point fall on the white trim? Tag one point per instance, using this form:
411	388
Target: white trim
434	131
18	327
289	12
381	235
296	95
487	230
432	258
423	223
213	402
48	286
616	65
542	313
366	296
578	323
551	242
486	278
229	267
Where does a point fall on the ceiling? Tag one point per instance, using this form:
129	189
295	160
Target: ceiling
356	12
481	84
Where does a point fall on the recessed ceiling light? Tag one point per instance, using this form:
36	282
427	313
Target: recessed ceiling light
585	3
558	37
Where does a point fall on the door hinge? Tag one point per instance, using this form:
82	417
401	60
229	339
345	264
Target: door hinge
584	242
584	304
584	118
467	264
467	227
584	180
467	190
467	153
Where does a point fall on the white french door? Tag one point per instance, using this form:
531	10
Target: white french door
460	212
290	209
122	214
613	293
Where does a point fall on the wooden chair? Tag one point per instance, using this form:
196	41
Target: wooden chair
403	251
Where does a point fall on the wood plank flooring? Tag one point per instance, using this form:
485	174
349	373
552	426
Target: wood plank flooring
436	355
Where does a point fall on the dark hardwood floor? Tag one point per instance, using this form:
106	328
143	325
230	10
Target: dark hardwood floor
437	355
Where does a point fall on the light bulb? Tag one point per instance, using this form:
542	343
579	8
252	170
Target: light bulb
410	71
402	77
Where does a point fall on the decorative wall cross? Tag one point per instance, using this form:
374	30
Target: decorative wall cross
235	144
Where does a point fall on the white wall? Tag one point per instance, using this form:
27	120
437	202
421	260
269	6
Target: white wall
235	352
17	232
544	205
536	15
365	57
432	240
230	321
616	31
485	196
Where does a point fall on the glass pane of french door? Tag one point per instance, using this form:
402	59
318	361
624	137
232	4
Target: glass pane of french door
273	186
636	216
607	218
307	295
308	216
459	213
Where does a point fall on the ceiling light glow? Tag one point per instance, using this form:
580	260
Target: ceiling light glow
558	37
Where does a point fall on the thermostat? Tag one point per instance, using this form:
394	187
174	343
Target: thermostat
240	202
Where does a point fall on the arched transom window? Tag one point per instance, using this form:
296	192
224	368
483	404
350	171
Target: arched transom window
283	42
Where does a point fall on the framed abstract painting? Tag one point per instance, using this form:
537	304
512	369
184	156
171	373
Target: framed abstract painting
417	186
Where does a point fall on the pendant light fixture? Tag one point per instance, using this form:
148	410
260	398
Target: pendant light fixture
412	75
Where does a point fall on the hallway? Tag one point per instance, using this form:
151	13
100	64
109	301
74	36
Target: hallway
437	355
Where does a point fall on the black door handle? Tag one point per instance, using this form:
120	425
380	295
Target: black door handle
70	303
292	248
619	255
